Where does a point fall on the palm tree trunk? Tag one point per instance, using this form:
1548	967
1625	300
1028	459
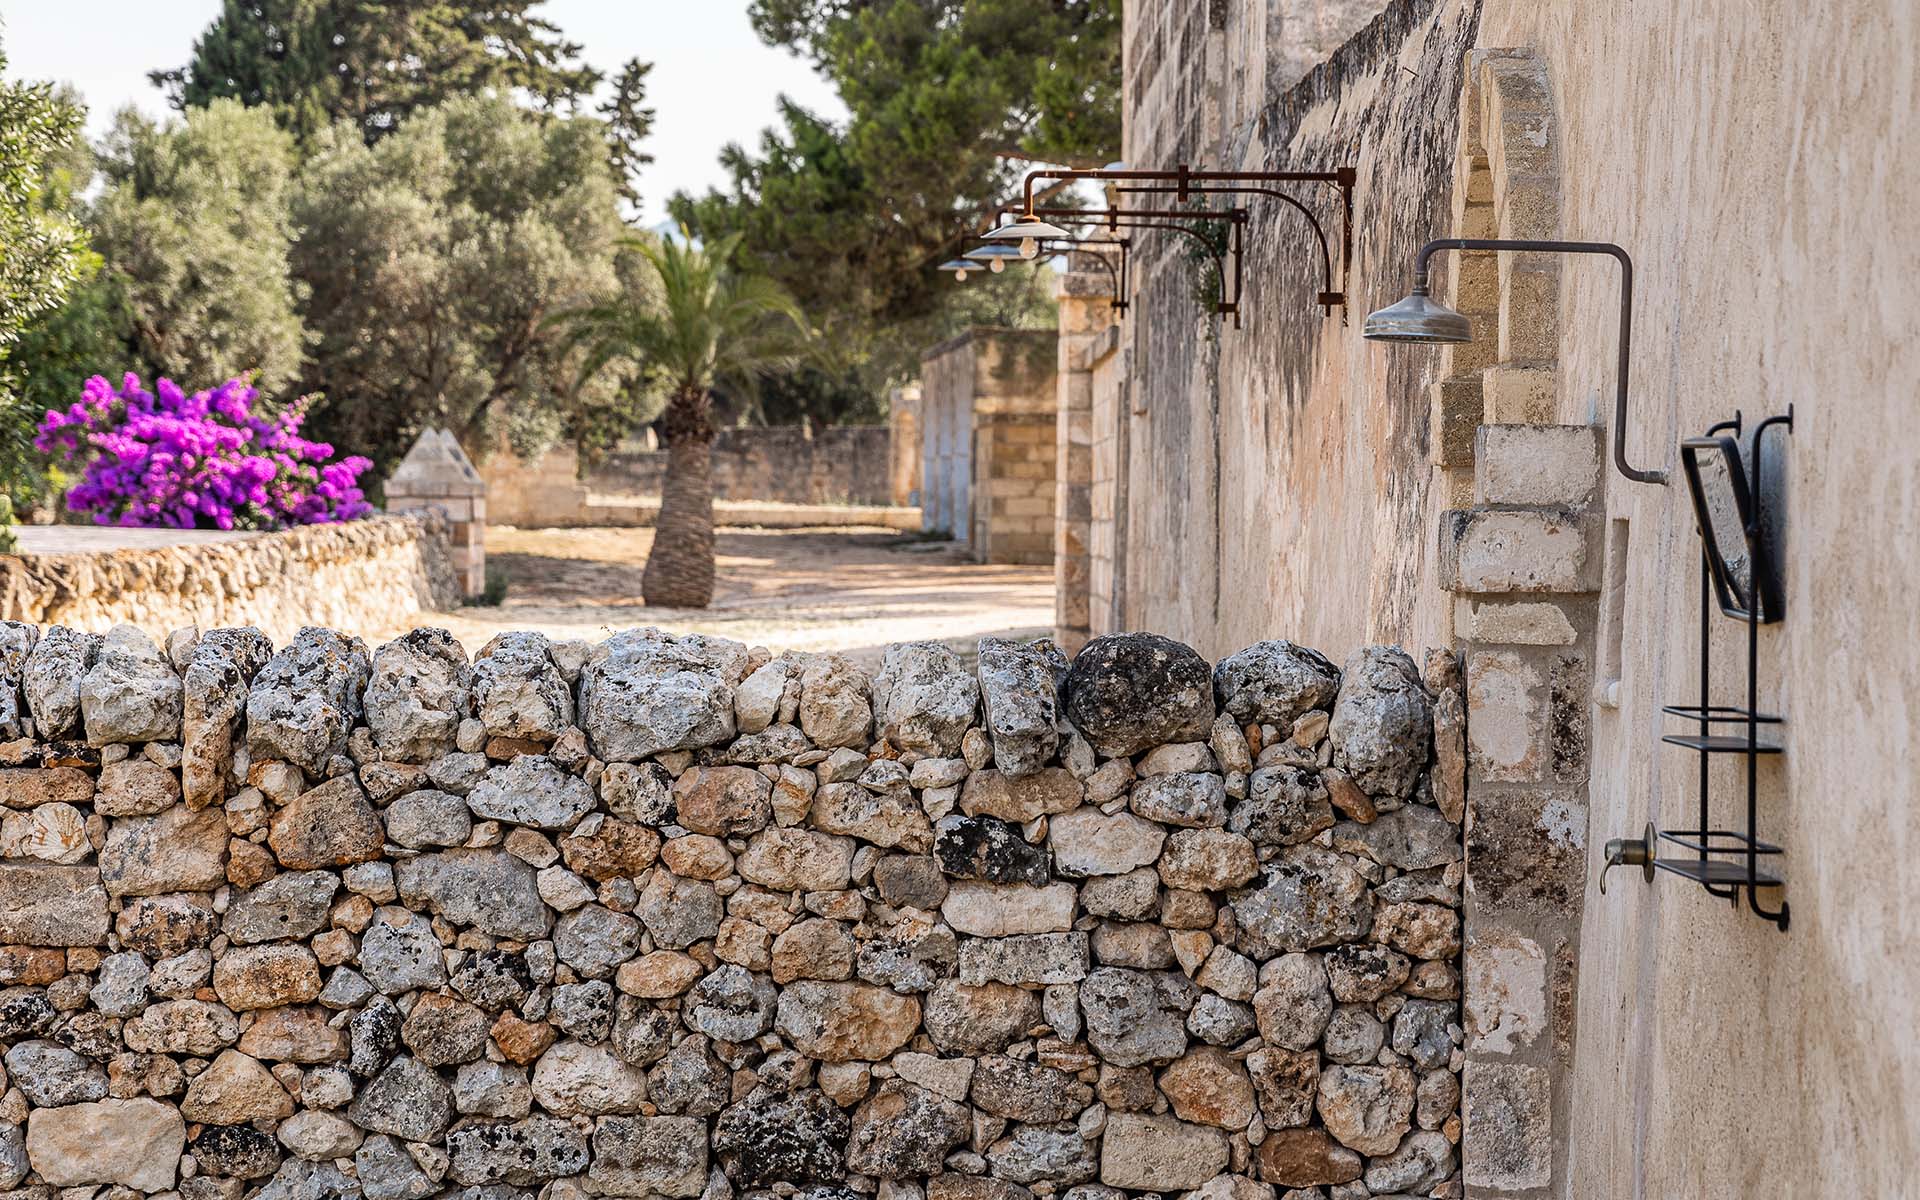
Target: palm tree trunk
679	572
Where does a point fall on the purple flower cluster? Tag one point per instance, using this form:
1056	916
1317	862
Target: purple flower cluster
205	461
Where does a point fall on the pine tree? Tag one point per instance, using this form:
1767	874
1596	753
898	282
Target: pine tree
629	122
373	62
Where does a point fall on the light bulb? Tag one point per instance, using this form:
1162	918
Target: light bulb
959	276
997	265
1029	248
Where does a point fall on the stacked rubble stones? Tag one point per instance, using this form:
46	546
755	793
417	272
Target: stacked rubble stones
672	917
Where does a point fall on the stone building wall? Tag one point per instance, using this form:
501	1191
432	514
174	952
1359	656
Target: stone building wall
670	917
989	414
1630	1044
392	565
1717	143
1269	469
1085	296
780	464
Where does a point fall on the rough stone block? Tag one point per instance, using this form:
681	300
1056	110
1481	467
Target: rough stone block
1475	285
1490	551
46	905
1529	305
1506	990
1528	623
1456	408
1507	710
1518	395
135	1143
1526	848
1509	1126
1536	464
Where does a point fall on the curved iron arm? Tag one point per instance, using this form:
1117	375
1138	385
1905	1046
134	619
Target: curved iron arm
1170	219
1184	177
1072	244
1185	181
1119	301
1313	223
1626	320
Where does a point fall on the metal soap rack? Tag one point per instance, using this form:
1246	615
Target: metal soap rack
1726	862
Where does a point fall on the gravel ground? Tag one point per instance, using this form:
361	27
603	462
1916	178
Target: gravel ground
849	590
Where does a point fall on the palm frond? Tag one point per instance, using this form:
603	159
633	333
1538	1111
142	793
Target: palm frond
711	322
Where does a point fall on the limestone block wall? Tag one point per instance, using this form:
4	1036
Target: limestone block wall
1085	296
785	464
394	565
670	917
989	415
1013	493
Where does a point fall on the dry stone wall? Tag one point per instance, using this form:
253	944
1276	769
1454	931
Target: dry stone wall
388	564
671	917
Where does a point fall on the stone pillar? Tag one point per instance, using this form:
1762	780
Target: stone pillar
436	473
1085	296
904	442
1523	563
1012	492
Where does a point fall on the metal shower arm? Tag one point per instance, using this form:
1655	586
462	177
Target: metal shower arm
1626	320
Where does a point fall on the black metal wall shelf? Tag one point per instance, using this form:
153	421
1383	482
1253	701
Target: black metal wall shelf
1736	570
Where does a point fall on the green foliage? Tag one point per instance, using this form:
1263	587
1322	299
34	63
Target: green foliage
42	253
495	592
629	121
194	226
702	324
9	544
810	394
942	85
946	99
373	62
1205	252
434	259
62	349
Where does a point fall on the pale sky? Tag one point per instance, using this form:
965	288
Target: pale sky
713	81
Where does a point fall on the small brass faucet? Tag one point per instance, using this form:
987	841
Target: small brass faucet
1632	852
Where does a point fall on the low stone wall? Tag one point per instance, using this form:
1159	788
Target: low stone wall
783	464
393	565
668	917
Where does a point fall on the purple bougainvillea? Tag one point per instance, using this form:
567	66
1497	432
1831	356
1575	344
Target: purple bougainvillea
205	461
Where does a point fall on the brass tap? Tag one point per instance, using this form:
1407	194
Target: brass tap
1632	852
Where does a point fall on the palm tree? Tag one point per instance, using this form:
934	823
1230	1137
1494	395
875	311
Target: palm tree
708	324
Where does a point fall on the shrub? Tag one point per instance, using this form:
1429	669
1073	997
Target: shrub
218	459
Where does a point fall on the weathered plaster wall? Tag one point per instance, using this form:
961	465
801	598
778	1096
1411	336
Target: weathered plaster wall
671	917
1759	161
1276	474
392	565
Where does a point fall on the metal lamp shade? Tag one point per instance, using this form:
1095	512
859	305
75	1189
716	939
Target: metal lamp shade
1418	318
984	255
957	265
1024	228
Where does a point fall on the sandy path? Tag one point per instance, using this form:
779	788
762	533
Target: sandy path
851	590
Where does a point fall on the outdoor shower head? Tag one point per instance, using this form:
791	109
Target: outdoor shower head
1418	318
